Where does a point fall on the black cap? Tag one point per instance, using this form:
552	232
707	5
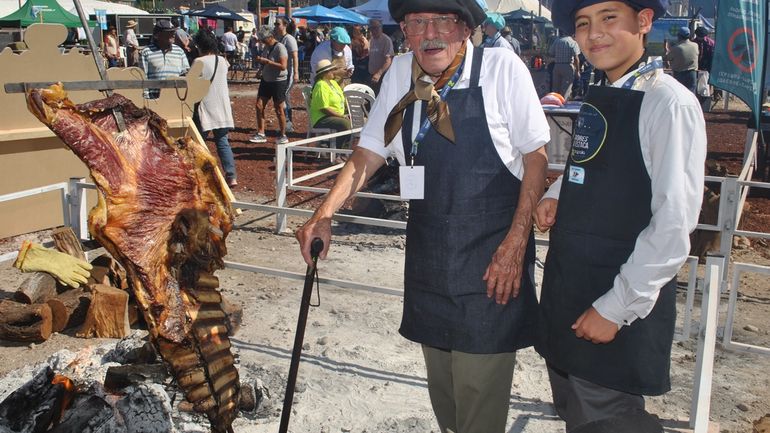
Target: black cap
563	11
163	26
468	10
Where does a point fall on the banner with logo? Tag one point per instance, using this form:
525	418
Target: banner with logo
101	17
740	44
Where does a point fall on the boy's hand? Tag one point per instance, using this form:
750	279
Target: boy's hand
593	327
545	214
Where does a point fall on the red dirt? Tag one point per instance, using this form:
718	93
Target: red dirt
256	167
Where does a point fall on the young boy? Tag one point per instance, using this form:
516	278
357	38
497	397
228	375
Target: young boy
629	197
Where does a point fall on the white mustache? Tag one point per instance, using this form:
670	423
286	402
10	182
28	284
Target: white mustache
432	44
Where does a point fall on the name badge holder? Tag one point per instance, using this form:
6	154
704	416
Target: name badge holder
411	177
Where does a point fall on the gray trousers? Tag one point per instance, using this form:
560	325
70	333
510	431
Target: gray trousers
562	79
585	406
470	393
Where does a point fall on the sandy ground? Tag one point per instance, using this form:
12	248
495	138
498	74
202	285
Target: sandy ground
359	375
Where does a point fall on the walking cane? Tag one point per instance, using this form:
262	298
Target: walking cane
315	249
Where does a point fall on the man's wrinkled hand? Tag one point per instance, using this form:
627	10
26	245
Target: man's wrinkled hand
545	214
503	275
314	228
593	327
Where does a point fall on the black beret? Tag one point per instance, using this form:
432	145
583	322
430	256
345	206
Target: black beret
468	10
563	11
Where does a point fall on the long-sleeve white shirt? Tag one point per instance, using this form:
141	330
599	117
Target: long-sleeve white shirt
514	115
672	133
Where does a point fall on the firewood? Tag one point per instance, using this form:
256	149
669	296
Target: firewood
69	309
107	315
121	376
23	322
64	240
108	271
89	414
33	406
38	288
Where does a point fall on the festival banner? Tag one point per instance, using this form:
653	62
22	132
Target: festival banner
740	43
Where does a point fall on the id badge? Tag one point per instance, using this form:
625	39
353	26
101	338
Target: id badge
412	182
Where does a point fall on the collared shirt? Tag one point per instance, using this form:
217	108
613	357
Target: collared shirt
683	56
514	116
564	49
324	51
672	133
130	38
159	65
230	41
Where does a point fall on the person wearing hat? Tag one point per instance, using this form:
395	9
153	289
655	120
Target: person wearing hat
683	58
132	44
162	59
467	129
492	36
706	47
273	84
327	101
508	35
335	49
619	218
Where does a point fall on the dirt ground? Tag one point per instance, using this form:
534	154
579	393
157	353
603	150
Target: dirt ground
358	374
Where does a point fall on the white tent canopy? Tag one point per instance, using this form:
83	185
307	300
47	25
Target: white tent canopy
376	9
112	8
505	6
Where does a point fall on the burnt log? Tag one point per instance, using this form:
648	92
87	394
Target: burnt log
107	315
34	406
23	322
39	287
64	240
69	309
89	414
109	272
121	376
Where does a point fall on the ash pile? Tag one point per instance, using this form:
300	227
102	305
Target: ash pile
118	387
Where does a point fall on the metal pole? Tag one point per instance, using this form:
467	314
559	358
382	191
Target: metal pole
288	9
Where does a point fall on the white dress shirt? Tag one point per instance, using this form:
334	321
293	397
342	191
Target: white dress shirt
324	51
515	118
672	133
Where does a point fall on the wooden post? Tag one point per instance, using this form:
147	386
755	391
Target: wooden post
65	241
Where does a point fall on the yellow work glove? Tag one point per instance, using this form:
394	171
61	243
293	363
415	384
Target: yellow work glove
68	270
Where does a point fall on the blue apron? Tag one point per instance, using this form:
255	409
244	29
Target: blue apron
452	234
604	204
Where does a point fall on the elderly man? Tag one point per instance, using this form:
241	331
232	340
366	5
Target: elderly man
380	53
162	59
335	49
466	126
132	44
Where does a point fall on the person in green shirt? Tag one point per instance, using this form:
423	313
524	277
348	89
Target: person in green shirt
327	102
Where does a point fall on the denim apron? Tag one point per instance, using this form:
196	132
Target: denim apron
604	204
452	234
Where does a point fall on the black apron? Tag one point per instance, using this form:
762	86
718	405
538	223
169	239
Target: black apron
604	204
452	234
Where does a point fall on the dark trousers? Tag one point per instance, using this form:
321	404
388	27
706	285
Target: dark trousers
338	124
586	406
688	79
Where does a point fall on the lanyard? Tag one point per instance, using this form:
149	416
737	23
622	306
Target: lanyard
650	66
426	123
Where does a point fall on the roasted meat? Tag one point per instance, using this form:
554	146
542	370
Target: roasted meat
163	214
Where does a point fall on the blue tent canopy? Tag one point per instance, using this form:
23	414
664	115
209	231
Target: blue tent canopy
354	17
320	14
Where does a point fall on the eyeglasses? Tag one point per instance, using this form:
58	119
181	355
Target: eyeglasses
442	24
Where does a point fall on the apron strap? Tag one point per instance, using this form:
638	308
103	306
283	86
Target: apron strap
478	53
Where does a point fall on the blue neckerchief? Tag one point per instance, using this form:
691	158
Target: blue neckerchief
650	66
426	123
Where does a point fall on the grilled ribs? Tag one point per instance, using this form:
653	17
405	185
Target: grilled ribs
163	214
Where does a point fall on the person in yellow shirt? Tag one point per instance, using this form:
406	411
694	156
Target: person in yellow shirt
327	102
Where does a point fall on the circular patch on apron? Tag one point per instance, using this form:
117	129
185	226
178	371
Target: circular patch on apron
590	133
